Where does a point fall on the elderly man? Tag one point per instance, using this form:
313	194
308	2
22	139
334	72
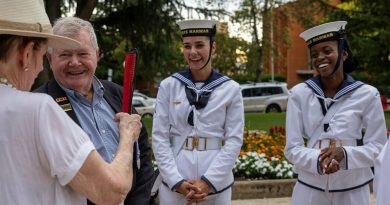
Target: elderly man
92	103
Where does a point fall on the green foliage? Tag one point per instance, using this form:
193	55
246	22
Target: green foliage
387	117
277	78
244	78
148	26
249	16
228	51
368	35
254	60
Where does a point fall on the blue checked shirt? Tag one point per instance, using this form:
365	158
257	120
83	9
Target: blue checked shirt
97	119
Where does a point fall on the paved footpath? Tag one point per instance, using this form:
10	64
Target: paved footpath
266	201
274	201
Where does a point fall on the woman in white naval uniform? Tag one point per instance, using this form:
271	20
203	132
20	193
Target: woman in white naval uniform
332	155
197	125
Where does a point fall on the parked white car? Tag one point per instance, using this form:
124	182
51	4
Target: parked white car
145	97
264	97
144	105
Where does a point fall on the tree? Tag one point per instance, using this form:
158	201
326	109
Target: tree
368	35
228	54
251	14
367	32
149	26
146	25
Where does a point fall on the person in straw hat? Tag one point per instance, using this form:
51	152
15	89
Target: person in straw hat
198	125
335	125
45	157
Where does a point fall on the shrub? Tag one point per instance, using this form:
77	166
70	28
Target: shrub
253	165
262	156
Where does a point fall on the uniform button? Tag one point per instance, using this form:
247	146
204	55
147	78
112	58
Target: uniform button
103	131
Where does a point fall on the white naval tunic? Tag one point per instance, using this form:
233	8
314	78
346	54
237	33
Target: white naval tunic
381	182
360	109
222	117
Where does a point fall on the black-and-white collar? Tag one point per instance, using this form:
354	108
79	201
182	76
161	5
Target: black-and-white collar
347	86
216	79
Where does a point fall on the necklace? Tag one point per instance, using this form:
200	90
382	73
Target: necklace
4	81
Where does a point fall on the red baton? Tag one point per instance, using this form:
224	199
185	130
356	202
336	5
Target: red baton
128	80
128	87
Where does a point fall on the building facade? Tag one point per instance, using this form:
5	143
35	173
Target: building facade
287	54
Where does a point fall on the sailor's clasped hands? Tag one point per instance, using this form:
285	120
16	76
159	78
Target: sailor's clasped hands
194	190
330	159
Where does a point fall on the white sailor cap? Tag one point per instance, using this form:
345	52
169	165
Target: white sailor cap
197	27
323	32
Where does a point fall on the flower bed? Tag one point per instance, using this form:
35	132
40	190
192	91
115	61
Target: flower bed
261	156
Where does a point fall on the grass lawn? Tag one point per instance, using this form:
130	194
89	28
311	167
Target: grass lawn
264	121
260	121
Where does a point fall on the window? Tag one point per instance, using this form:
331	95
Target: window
263	91
247	92
273	90
137	103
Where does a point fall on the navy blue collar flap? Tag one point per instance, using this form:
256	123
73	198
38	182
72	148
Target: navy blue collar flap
216	79
347	86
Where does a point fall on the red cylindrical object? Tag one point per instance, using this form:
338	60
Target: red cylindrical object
128	78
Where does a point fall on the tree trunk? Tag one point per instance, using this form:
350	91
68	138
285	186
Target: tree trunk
85	8
53	9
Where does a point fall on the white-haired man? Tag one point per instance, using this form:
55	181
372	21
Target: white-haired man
92	103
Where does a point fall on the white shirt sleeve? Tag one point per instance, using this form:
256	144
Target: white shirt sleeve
381	184
62	144
373	121
296	151
223	164
160	138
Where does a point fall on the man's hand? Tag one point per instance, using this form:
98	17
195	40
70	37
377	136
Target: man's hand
129	125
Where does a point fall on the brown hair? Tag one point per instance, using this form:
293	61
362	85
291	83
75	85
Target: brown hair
7	42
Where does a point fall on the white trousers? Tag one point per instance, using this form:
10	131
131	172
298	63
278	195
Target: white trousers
308	196
168	197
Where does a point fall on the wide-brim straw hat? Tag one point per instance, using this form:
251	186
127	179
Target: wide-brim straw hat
29	18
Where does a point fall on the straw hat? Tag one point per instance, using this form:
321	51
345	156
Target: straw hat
28	18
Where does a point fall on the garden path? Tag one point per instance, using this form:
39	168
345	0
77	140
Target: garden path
275	201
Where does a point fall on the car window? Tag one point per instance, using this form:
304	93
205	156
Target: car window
273	90
138	94
137	103
261	91
247	92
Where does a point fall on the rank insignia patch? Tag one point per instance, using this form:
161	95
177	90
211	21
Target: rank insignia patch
61	99
66	107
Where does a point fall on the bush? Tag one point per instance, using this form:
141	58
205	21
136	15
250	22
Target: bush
262	156
253	165
272	144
